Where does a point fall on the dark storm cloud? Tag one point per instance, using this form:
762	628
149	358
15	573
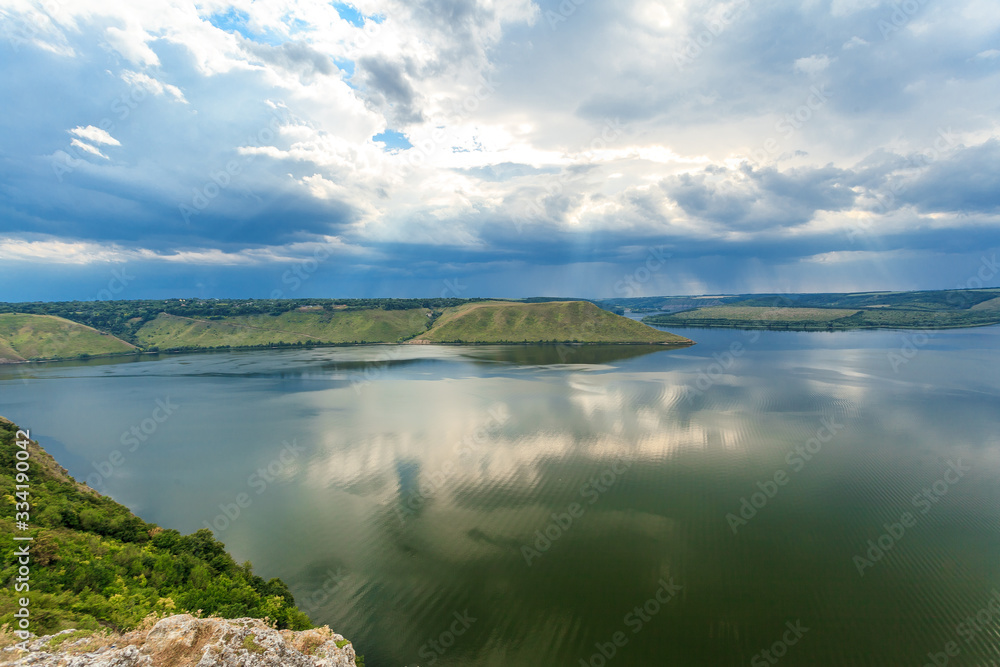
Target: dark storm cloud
968	181
755	199
389	90
86	206
294	56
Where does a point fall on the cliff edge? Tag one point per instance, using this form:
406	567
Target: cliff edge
186	641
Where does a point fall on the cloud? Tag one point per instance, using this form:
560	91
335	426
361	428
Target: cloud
294	57
967	181
95	135
151	85
221	130
390	90
93	150
131	43
756	199
812	65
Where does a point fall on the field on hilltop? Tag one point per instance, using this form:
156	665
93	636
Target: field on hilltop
771	314
24	337
558	321
941	309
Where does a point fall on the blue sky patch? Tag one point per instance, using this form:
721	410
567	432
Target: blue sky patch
298	26
344	65
393	140
235	20
349	14
232	20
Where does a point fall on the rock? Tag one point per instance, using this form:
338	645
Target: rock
186	641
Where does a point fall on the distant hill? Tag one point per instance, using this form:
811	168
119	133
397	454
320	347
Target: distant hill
24	337
558	321
940	309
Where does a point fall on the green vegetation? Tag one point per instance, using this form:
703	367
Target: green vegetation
24	337
942	309
251	645
296	327
95	564
760	313
560	321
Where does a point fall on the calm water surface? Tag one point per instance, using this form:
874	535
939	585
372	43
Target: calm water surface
527	506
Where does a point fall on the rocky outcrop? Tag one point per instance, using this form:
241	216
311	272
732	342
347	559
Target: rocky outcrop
186	641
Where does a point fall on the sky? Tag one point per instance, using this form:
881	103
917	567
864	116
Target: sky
496	148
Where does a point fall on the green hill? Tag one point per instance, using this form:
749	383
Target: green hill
558	321
305	326
95	564
24	337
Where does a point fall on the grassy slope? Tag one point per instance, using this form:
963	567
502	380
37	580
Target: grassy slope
94	563
370	326
992	304
48	337
563	321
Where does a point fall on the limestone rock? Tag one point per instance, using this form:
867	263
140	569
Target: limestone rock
186	641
